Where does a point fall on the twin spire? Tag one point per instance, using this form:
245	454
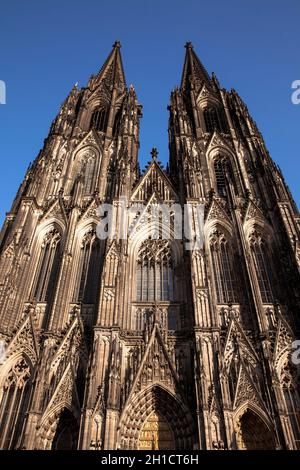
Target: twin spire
193	71
112	74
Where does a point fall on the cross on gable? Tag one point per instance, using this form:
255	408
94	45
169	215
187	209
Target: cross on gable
154	153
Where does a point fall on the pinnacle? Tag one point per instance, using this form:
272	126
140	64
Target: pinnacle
117	45
189	45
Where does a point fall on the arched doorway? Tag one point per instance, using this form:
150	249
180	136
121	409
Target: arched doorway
253	433
66	434
156	434
156	419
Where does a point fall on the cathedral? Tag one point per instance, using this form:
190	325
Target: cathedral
148	341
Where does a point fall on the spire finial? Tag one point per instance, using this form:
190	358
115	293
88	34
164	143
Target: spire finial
112	69
193	69
189	45
154	153
116	45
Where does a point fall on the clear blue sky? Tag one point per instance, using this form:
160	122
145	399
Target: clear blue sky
47	46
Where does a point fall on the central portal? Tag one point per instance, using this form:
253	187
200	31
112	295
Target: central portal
156	434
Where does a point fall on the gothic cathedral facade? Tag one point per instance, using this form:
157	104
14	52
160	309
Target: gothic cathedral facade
138	342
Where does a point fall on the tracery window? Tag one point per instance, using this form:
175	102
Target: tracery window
99	118
288	382
223	269
14	404
155	277
220	175
47	266
212	120
89	269
262	266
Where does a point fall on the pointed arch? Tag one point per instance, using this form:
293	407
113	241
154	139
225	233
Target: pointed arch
23	343
253	429
222	266
262	227
222	225
99	118
224	168
66	433
213	119
174	285
88	268
88	169
49	245
154	271
156	399
146	231
55	422
223	175
14	400
289	387
261	263
85	164
86	289
52	223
